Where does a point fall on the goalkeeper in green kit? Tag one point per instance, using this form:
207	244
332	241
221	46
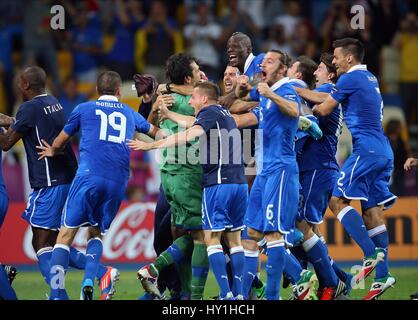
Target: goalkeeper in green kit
181	175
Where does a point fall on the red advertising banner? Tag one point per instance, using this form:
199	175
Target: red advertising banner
129	240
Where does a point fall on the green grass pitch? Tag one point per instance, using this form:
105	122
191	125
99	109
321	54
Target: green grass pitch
30	285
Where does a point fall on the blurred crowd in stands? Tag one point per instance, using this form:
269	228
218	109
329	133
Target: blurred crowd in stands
134	36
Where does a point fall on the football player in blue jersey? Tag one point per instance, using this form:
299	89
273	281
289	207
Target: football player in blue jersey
318	174
240	55
300	74
366	173
6	290
273	201
100	182
224	185
42	117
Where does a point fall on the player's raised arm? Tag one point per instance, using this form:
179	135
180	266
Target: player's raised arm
326	107
183	120
153	116
310	95
180	138
57	146
183	89
240	106
288	107
243	87
245	120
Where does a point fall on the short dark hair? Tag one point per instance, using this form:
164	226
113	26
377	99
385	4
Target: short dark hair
326	58
108	82
36	77
178	67
307	67
350	46
209	89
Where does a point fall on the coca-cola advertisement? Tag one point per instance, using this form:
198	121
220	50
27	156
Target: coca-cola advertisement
129	240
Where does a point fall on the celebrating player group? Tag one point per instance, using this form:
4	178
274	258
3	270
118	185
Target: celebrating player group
251	170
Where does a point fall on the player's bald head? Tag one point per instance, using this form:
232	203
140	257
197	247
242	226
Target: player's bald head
34	78
241	38
109	83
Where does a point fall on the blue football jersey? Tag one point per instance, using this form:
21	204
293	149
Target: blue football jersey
253	70
277	130
301	136
220	152
252	66
105	125
43	117
320	154
362	105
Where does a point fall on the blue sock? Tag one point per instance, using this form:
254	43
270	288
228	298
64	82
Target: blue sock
354	225
341	274
301	256
218	264
229	270
6	291
78	261
59	266
380	238
250	271
274	268
292	267
44	259
318	255
237	262
94	252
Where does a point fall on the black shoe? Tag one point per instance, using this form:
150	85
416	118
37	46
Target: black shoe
11	273
414	296
286	281
87	293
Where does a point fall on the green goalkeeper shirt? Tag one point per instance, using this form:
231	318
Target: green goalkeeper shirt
180	159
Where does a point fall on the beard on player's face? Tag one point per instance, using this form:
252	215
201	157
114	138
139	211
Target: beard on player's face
273	76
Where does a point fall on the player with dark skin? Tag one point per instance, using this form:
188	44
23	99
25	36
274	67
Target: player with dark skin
238	49
31	84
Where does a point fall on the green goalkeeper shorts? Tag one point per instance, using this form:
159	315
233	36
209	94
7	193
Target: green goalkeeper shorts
184	194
